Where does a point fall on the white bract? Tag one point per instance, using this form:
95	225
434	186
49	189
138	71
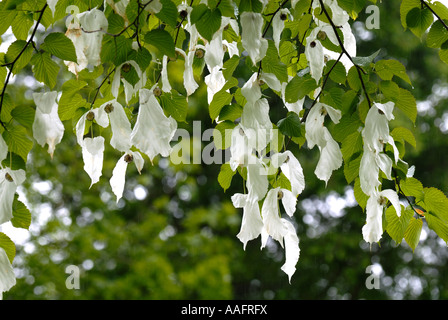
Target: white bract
86	36
9	181
47	127
153	130
317	134
129	89
7	277
251	35
251	224
118	179
93	154
3	150
291	168
373	229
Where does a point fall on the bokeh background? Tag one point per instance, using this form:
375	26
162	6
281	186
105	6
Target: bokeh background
173	235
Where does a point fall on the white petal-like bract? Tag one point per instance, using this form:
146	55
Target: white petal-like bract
153	130
7	277
47	127
252	40
9	181
92	154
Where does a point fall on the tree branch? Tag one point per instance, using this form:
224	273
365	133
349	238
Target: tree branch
344	51
434	13
11	64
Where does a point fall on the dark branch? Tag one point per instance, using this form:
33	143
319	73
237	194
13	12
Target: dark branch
11	64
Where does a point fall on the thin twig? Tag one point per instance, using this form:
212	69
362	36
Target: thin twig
434	13
344	51
99	87
326	77
11	64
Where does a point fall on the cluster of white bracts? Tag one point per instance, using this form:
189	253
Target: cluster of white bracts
151	134
375	136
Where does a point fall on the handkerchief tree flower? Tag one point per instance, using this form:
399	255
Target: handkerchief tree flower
136	67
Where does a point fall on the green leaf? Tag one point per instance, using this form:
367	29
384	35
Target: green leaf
436	203
413	231
18	141
411	187
116	49
175	105
24	115
406	6
396	226
360	196
220	99
231	112
21	214
338	74
229	66
299	87
351	168
169	13
272	63
438	226
45	69
437	35
22	25
366	61
386	69
351	144
7	245
70	99
402	134
406	103
291	125
208	23
419	20
250	5
222	134
225	176
60	46
226	8
162	40
13	52
142	57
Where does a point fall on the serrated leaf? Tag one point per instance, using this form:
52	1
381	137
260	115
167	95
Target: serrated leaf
366	61
209	23
22	25
291	125
60	46
21	214
175	105
222	134
396	226
406	103
419	20
225	176
351	144
45	69
18	141
220	99
7	245
299	87
437	35
16	48
402	134
438	226
413	231
70	99
436	202
386	69
360	196
405	7
162	40
24	115
169	13
250	5
412	187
